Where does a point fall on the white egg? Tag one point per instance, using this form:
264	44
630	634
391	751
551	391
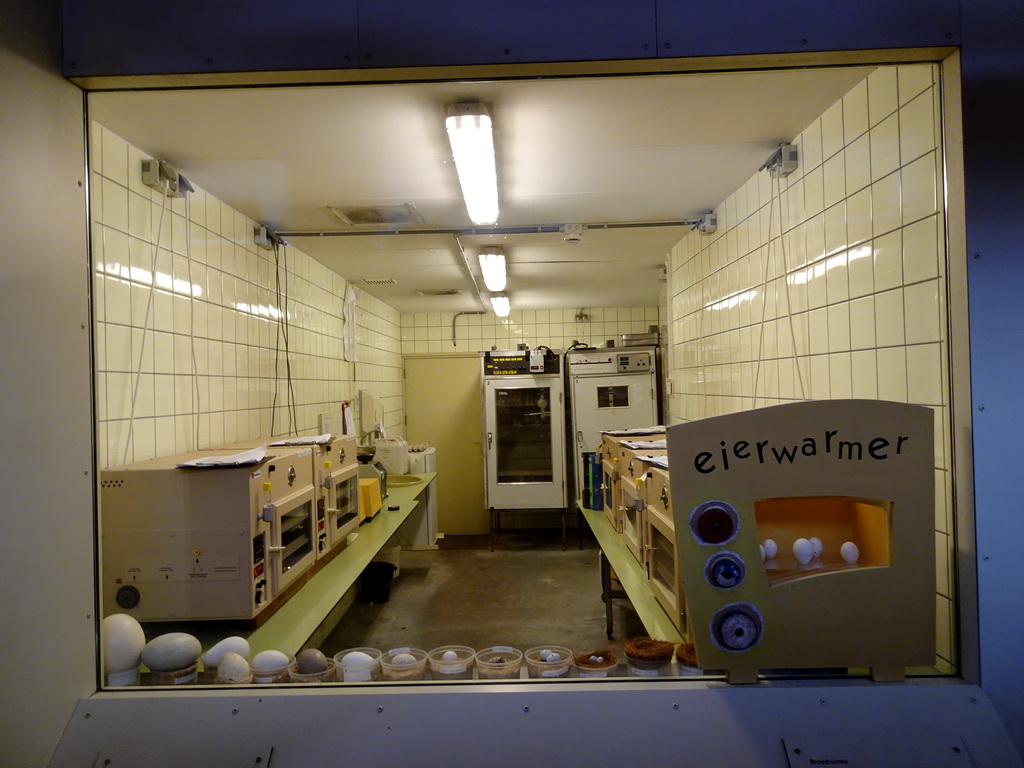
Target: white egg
544	655
450	656
233	668
356	659
850	552
234	644
803	551
816	546
761	548
173	650
123	641
269	661
403	658
770	548
597	659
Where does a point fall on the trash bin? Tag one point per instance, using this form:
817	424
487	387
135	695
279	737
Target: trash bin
375	582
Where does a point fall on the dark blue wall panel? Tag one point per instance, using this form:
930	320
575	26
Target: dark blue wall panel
740	26
142	37
409	32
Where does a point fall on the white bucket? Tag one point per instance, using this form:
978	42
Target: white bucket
393	453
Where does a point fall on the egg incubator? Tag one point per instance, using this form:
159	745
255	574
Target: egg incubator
805	536
206	543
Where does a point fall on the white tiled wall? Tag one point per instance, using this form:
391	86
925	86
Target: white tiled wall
201	352
831	282
431	332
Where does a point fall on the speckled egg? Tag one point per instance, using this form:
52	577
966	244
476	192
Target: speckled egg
170	651
269	661
123	641
403	658
311	661
235	644
816	546
233	668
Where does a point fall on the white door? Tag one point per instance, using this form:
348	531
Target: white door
601	403
524	442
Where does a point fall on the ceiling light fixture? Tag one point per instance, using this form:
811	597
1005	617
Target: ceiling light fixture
492	264
471	137
500	303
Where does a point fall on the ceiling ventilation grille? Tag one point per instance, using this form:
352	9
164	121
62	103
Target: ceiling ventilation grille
377	215
380	281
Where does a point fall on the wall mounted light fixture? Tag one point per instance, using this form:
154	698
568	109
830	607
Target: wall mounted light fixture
471	137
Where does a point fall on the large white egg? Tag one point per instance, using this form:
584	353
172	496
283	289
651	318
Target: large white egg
233	668
234	644
850	552
123	641
450	656
269	661
803	551
816	546
356	659
174	650
770	548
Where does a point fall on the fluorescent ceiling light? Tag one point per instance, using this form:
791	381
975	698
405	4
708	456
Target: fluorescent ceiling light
469	132
492	264
500	303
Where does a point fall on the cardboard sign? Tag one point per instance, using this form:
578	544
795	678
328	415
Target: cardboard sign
839	496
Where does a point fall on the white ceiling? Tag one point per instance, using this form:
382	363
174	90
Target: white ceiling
591	150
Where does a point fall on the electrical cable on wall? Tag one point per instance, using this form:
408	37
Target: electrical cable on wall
197	405
145	325
282	334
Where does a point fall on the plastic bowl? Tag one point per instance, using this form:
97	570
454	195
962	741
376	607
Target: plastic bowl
186	676
403	669
326	676
500	662
604	669
648	668
459	668
279	675
356	671
557	666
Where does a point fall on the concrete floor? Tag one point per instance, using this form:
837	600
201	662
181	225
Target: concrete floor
526	593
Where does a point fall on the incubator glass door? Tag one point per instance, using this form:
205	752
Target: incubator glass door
525	437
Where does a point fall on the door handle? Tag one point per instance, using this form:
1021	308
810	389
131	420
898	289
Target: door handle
489	439
579	438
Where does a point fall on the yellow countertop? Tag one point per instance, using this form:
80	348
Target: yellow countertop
632	577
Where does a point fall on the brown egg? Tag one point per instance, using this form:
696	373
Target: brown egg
310	661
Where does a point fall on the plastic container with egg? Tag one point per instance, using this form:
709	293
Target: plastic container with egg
271	667
311	666
358	665
602	663
548	661
451	662
403	664
233	669
499	662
